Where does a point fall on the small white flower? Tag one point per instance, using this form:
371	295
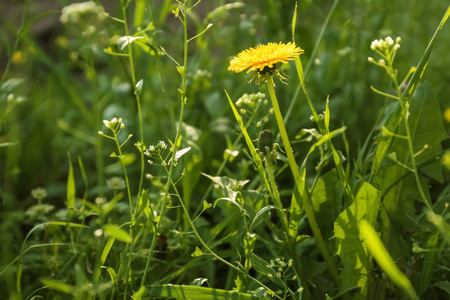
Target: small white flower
98	232
122	125
389	41
100	132
39	193
398	39
370	59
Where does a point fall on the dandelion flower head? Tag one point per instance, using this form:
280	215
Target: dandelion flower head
264	58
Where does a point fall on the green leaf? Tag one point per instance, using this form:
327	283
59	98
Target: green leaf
58	286
141	203
206	205
106	249
112	273
195	293
197	252
70	188
249	245
397	115
261	266
428	264
352	252
250	146
444	285
294	22
427	131
326	200
261	212
384	260
138	295
115	232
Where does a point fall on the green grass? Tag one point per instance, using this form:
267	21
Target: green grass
130	165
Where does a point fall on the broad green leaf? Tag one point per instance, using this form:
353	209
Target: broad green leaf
397	115
326	200
118	233
195	293
427	131
350	248
428	263
384	260
444	285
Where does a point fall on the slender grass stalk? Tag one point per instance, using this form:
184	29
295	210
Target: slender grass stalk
175	143
295	172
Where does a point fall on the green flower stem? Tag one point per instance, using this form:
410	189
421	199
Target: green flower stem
295	172
130	249
276	194
175	147
291	241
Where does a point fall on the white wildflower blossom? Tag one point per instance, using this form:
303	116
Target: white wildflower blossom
39	193
75	12
116	183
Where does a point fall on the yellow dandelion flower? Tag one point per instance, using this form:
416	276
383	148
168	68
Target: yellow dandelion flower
264	58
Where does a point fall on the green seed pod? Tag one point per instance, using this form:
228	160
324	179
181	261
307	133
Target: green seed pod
265	139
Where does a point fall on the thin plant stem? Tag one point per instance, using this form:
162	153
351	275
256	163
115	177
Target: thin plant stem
138	98
295	172
194	230
276	194
277	202
175	146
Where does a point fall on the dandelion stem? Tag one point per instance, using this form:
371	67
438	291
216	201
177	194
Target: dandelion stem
295	172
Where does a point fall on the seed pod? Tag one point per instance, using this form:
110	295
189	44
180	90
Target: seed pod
265	139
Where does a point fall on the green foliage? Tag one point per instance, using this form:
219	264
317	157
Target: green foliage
169	193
